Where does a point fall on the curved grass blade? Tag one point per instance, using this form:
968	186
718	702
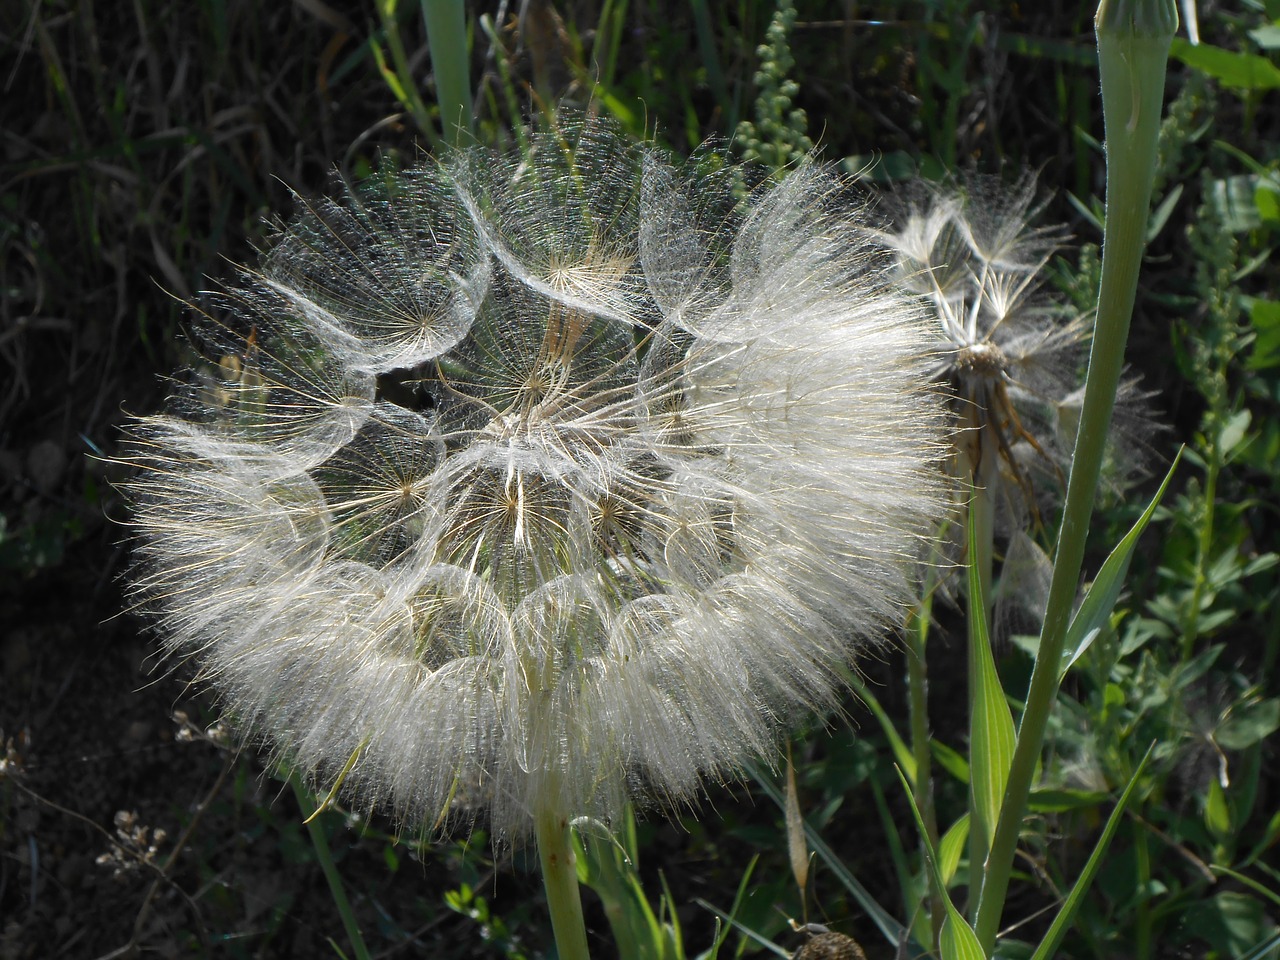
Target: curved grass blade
957	941
991	733
1100	599
884	921
1057	929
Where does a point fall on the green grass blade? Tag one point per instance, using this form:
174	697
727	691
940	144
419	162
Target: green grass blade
951	847
957	940
1252	884
447	39
1100	599
884	921
902	754
1263	949
1057	929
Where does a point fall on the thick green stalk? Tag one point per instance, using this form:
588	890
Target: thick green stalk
447	40
560	877
325	858
1133	48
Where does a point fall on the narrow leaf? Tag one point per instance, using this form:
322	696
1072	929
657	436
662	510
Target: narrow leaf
1263	949
902	755
991	733
957	941
1100	599
796	849
1057	929
951	846
889	927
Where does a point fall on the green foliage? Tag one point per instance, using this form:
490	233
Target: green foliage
490	929
776	137
146	143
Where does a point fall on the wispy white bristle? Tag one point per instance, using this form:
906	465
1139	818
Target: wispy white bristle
541	478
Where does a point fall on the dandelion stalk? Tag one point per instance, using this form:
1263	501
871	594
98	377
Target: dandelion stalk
560	879
1133	44
325	858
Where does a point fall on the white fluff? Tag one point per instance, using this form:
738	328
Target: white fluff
544	480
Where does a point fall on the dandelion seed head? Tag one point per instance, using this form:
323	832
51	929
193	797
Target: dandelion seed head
543	480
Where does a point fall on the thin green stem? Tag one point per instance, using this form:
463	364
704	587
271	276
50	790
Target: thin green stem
398	75
325	858
1142	865
1133	46
560	877
918	712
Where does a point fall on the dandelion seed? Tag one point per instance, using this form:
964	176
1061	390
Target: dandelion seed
1012	357
521	485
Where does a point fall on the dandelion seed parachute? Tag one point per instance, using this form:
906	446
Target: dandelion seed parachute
1013	358
539	482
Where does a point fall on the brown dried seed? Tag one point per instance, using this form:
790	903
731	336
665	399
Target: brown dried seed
830	946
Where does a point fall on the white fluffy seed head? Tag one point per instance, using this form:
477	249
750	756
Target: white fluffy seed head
1009	354
545	480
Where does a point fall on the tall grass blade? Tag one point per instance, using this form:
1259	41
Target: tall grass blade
1062	922
884	921
447	38
957	940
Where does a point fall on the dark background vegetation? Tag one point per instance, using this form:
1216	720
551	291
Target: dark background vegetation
145	144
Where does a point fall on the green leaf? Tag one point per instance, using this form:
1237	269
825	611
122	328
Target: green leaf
1266	197
957	941
1062	922
991	733
1100	598
1233	431
951	846
1231	922
1249	882
950	760
1160	215
1241	71
1249	723
1267	36
1217	814
1061	801
1264	316
1263	949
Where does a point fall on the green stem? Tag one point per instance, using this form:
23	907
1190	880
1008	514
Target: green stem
1142	858
447	40
1133	47
918	713
325	858
401	77
560	877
